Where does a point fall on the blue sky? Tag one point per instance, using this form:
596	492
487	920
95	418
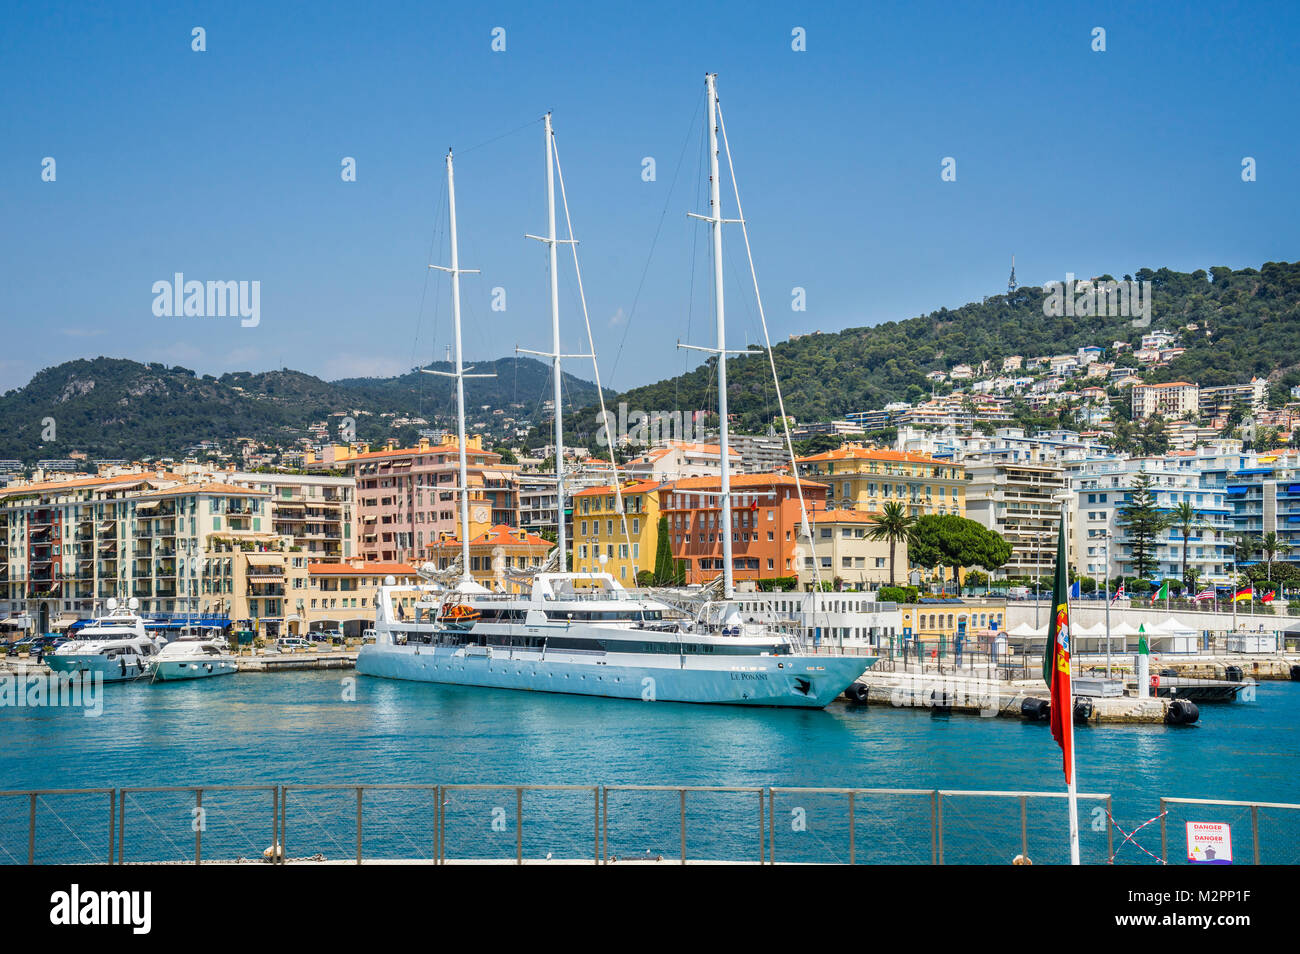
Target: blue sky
225	165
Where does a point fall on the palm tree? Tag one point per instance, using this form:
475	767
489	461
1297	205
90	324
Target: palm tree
893	524
1272	546
1184	518
1243	548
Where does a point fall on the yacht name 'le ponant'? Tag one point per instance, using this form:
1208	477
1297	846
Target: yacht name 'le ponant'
583	633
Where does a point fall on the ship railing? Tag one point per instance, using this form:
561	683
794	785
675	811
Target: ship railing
358	823
501	823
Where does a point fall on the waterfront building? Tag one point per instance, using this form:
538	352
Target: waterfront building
1102	488
493	553
933	619
158	536
866	478
1016	501
1262	492
599	542
765	517
406	498
843	551
315	510
341	596
850	621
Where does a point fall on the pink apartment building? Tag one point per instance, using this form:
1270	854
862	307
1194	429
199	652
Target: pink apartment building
406	497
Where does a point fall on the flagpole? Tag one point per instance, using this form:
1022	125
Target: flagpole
1068	721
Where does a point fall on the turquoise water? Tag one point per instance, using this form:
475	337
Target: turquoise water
296	728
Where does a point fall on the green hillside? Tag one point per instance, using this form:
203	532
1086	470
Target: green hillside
1253	318
115	408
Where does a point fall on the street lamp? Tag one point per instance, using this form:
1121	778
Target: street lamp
1106	535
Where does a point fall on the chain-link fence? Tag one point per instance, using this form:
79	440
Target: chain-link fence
519	824
1260	833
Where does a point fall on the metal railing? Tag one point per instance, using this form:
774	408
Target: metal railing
599	824
1282	850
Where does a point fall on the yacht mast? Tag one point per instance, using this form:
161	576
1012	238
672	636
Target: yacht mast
715	226
554	354
555	345
460	374
716	221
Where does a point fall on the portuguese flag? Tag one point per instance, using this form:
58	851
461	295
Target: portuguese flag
1056	660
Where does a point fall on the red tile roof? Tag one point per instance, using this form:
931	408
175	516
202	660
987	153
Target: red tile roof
640	487
364	569
500	535
854	452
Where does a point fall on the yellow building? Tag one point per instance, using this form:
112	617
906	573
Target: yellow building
929	623
599	544
867	478
492	553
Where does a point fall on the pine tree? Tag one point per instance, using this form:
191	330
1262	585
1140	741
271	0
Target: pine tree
1143	523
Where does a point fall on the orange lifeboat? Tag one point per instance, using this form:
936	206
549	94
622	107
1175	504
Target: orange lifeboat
458	614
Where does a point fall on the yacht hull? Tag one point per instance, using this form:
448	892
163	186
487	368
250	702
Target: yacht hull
109	670
179	669
807	682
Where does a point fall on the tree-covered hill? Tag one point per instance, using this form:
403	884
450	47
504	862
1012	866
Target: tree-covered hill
115	408
1252	318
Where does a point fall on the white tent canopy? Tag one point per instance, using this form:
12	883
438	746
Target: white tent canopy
1024	629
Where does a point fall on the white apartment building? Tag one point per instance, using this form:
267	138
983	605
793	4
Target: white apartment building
1016	501
1103	487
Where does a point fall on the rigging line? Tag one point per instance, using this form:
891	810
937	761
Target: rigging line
437	301
419	320
655	241
690	293
591	344
488	142
767	340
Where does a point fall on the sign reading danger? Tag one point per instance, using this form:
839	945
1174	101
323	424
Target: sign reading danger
1209	843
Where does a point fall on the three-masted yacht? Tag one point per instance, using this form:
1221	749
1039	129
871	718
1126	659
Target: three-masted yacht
583	633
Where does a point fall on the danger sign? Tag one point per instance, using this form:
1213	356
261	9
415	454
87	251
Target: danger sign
1209	843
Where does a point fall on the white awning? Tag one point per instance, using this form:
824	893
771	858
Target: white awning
1024	629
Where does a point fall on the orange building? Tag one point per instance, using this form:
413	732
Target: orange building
764	524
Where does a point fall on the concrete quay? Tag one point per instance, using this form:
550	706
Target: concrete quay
974	695
287	662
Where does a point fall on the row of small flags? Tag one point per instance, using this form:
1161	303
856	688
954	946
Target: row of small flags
1245	593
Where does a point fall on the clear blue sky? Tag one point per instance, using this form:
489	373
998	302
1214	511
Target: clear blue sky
225	165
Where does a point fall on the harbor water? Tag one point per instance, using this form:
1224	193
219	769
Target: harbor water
300	729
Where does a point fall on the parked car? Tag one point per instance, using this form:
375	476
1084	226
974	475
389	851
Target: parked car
369	636
291	643
36	643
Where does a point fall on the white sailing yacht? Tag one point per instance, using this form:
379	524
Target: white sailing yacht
583	633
